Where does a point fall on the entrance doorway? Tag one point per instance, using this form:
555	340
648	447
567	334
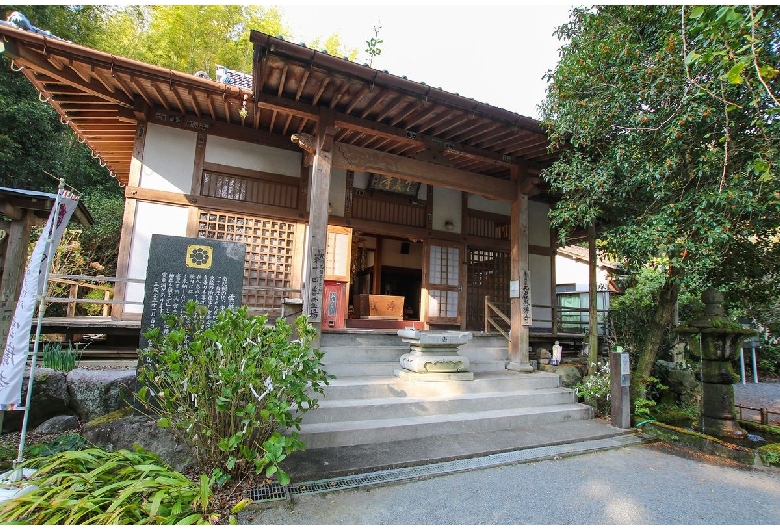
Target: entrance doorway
389	267
488	275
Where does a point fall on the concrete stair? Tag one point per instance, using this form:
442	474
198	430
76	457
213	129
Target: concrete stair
378	352
367	405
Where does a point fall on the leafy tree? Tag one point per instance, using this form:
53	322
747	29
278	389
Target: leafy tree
670	158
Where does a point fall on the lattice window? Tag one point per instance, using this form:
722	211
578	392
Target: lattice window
442	304
270	251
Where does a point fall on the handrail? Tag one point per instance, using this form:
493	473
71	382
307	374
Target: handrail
491	323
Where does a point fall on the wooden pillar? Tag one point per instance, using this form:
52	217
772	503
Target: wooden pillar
376	284
128	223
318	221
13	269
554	281
518	334
593	315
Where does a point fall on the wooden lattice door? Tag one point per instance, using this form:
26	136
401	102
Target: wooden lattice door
488	275
271	269
443	281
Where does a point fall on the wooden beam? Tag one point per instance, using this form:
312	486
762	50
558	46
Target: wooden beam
355	158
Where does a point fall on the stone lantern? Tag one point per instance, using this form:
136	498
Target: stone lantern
716	341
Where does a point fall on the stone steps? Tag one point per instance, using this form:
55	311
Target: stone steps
368	404
394	407
347	433
391	386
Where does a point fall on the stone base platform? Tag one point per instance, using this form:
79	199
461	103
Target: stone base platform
433	376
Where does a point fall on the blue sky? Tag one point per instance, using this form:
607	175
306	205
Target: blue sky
494	54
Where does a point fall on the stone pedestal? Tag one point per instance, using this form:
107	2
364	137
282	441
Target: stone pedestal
434	356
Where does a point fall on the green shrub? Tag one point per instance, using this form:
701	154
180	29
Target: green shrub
94	486
233	392
594	389
56	358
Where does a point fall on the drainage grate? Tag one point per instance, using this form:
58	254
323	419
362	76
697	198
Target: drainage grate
270	492
274	491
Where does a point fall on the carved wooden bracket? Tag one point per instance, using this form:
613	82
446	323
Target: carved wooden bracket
305	142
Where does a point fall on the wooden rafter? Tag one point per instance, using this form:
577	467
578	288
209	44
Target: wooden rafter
356	98
194	102
392	106
320	90
282	80
161	96
212	107
373	103
340	92
302	84
179	100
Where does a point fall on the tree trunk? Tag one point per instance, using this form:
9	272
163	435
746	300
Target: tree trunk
593	316
667	300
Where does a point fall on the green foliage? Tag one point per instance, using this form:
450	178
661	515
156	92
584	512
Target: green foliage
94	486
189	38
631	312
768	358
660	154
56	358
770	454
233	392
594	389
64	442
372	45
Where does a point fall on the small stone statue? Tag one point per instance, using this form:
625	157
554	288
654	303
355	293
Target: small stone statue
556	354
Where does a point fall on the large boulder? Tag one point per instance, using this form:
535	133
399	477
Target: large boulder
123	430
569	374
58	424
94	393
683	385
50	397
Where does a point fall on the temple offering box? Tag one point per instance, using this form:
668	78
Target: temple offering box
379	307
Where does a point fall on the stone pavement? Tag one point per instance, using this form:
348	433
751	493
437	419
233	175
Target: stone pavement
628	485
632	484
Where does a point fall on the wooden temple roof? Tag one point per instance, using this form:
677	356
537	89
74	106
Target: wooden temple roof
102	97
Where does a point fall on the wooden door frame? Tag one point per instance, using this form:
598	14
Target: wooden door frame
461	289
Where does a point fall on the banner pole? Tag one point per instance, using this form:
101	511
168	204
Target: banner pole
18	468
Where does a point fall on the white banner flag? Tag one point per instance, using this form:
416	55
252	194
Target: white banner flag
17	347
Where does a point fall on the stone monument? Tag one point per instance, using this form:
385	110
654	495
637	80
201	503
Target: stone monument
181	269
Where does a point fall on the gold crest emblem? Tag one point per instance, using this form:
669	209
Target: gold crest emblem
199	256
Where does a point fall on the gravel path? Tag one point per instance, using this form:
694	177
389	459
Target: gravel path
633	485
758	395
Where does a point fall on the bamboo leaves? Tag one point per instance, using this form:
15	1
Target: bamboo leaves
94	486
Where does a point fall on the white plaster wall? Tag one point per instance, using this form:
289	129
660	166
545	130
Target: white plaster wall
541	289
338	190
252	156
169	159
538	224
478	202
150	218
446	207
568	271
360	180
392	257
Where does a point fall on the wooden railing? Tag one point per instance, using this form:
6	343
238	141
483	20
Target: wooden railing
497	320
762	416
78	283
493	318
